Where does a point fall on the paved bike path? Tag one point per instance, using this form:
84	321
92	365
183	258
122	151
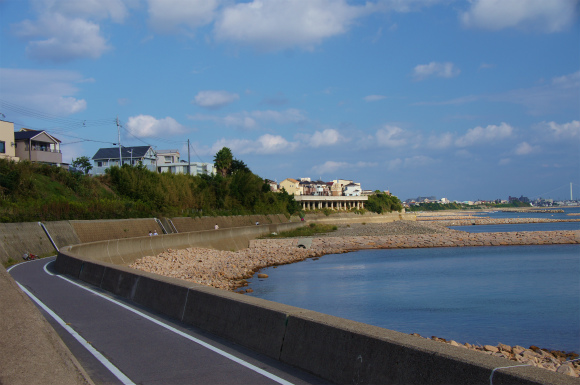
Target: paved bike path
146	348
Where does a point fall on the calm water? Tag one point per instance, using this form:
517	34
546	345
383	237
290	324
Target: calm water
517	295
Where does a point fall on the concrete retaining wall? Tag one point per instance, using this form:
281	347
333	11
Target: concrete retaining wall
126	251
100	230
17	238
357	218
339	350
186	224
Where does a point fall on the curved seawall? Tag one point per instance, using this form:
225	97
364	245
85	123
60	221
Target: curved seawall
336	349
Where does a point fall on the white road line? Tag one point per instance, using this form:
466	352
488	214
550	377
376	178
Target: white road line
112	368
185	335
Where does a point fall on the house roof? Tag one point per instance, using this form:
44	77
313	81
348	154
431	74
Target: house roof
113	152
31	134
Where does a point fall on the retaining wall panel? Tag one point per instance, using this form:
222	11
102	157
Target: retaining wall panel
230	316
347	352
92	273
164	297
62	233
68	265
120	282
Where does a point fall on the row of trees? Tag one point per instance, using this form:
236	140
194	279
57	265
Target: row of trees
32	192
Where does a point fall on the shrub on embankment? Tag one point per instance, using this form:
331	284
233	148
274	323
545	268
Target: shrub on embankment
35	192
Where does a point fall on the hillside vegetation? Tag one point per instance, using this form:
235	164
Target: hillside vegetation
36	192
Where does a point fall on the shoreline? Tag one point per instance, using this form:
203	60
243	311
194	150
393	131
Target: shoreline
229	270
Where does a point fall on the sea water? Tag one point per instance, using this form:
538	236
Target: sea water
516	295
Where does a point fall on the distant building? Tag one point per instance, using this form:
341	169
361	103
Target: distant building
7	143
292	186
352	190
273	185
107	157
38	146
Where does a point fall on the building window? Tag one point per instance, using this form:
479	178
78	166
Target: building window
168	159
2	147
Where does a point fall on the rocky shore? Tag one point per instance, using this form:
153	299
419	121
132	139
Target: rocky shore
228	270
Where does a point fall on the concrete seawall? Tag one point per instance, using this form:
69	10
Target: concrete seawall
335	349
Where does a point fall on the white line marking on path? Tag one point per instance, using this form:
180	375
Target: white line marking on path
112	368
182	334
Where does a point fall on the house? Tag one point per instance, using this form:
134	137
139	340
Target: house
318	187
352	190
195	168
38	146
168	161
292	186
273	185
7	143
107	157
167	156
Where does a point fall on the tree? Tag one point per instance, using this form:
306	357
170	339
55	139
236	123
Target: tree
83	163
223	160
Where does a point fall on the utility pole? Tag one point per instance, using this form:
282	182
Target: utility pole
189	162
571	192
119	132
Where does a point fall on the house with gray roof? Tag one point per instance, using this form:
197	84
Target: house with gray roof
107	157
38	146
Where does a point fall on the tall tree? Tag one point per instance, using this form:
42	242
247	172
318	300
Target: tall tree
223	160
83	163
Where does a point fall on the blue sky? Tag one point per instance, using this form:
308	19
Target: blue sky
459	99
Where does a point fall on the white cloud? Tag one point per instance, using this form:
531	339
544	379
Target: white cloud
391	136
280	24
525	148
50	91
329	167
561	131
328	137
332	167
484	134
442	70
214	99
440	141
67	30
93	9
61	39
265	144
147	126
168	15
542	15
253	120
374	98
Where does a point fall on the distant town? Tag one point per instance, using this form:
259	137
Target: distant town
539	202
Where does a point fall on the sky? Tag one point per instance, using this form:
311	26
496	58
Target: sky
465	100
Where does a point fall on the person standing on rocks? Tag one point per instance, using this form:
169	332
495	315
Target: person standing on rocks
216	227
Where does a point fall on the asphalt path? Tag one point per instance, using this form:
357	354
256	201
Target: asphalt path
119	342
